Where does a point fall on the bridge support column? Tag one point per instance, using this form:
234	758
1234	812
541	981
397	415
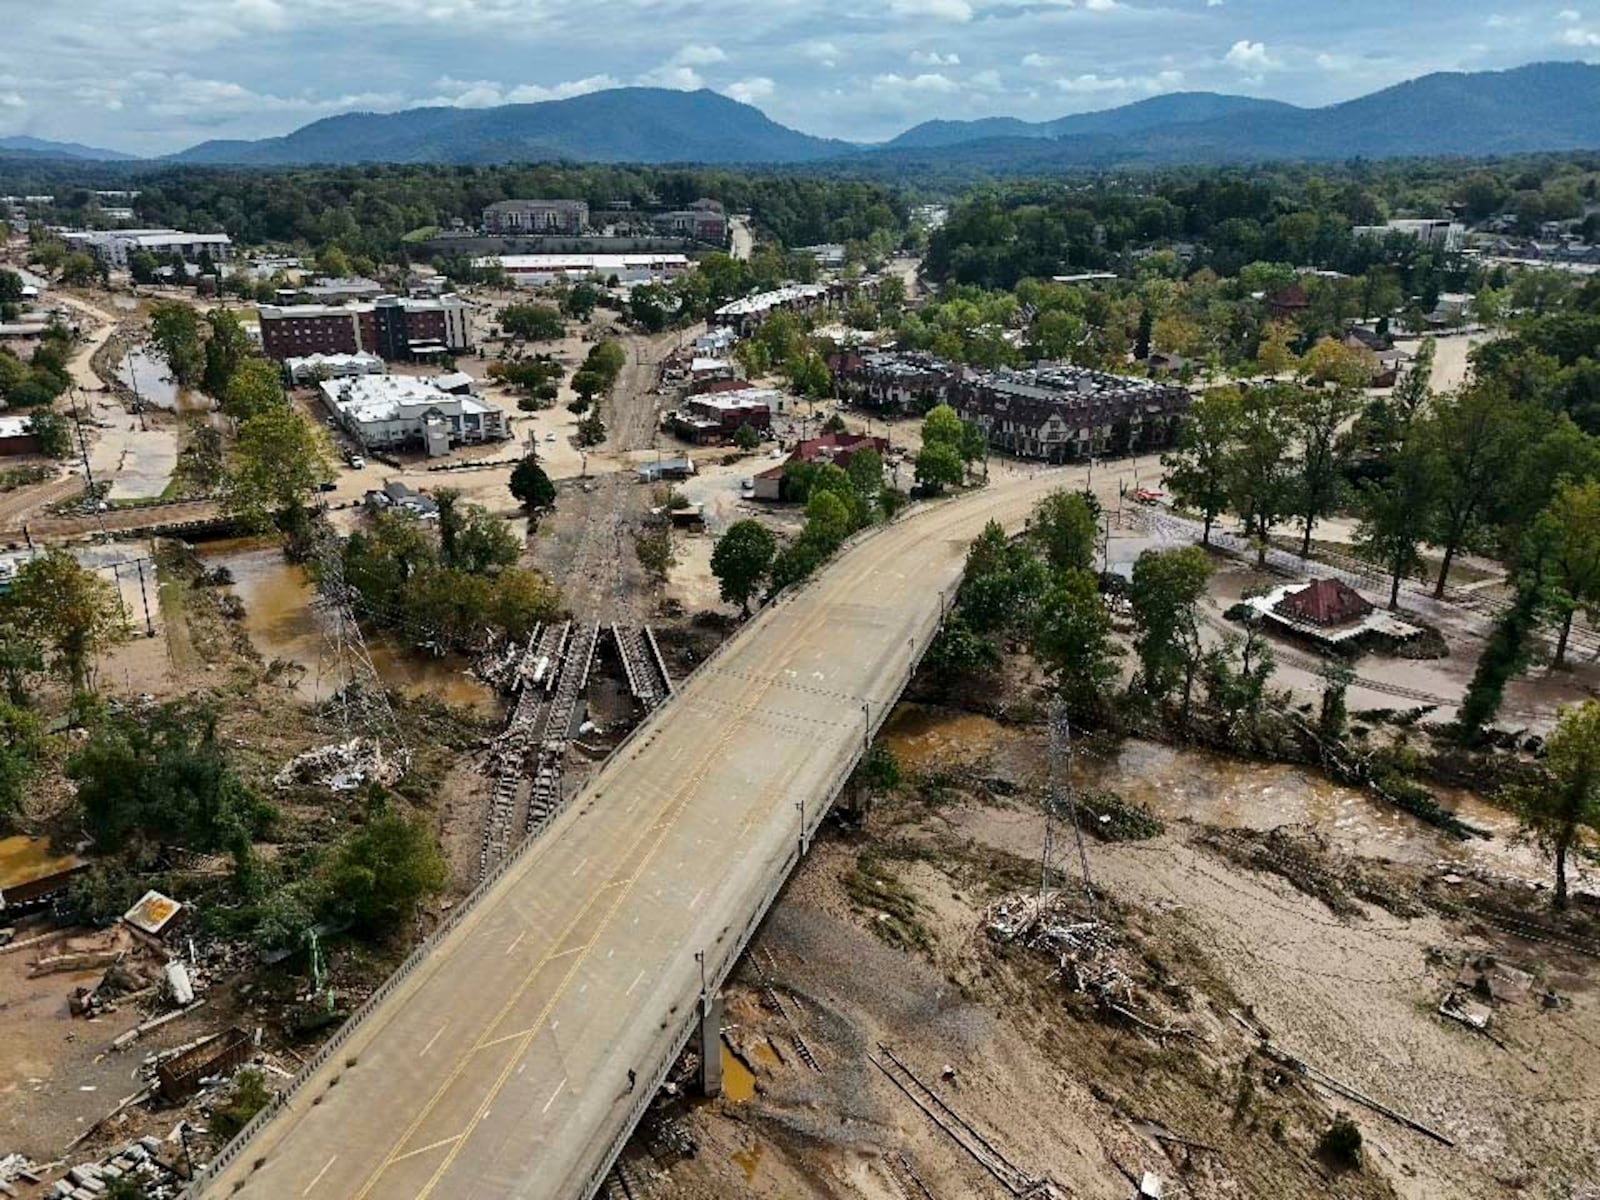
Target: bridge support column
856	801
710	1045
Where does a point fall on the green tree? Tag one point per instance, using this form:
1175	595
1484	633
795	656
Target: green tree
1317	423
591	430
746	438
160	779
1167	589
1199	471
828	519
942	427
1398	511
530	486
1567	800
1072	636
253	386
535	322
653	548
1065	525
1571	527
274	469
69	609
333	262
1479	433
175	335
381	873
51	431
741	559
21	743
78	269
227	347
1510	646
938	465
1259	478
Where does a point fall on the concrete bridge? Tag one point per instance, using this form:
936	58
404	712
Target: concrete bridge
497	1062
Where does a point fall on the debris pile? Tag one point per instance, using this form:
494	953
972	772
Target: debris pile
342	766
1090	956
148	1161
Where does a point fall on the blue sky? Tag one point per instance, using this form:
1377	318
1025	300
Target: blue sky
150	76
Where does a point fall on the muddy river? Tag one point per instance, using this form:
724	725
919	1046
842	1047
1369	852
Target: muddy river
281	622
1188	785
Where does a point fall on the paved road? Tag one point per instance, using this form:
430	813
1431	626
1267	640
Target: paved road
498	1067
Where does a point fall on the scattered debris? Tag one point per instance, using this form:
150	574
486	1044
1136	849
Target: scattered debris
154	914
342	766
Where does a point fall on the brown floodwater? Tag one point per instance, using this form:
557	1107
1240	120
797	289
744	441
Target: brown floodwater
281	623
738	1080
1182	784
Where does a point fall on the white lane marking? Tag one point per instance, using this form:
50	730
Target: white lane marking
553	1096
320	1174
581	865
517	942
429	1146
634	984
433	1039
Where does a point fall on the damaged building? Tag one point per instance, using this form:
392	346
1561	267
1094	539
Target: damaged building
1062	413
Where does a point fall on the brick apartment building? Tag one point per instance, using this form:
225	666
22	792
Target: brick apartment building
512	217
716	417
390	327
906	382
1064	413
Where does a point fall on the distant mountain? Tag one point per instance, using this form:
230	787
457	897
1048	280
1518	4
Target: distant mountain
1177	108
1541	107
33	147
648	125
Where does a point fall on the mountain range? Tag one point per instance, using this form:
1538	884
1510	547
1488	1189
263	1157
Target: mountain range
22	146
1540	107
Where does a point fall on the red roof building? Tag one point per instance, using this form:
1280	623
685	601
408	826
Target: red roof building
1324	602
835	448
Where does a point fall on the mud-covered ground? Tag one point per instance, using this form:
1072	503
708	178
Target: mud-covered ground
1338	936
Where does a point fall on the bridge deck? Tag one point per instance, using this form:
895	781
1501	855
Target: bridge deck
498	1067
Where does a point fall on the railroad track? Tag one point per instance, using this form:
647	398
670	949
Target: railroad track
545	797
536	674
1016	1180
642	664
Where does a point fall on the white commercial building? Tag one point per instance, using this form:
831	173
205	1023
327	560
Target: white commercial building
115	246
401	410
541	270
1442	234
314	368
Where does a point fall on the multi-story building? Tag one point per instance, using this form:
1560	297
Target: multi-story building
703	221
744	315
541	270
1440	234
909	382
717	416
392	411
513	217
391	327
1063	413
315	368
114	247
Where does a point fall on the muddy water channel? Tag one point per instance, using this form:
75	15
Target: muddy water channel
1181	784
281	622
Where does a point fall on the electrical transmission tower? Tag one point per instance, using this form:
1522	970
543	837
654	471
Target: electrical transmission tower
357	706
1060	807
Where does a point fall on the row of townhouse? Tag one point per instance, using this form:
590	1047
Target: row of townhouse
1053	412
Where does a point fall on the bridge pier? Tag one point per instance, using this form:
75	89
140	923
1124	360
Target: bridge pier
710	1045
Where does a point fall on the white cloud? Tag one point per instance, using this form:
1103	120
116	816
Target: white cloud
1580	37
932	58
12	100
1569	14
1036	60
937	10
928	81
668	75
825	53
1101	5
486	93
1213	3
985	81
1092	83
1248	56
748	91
699	56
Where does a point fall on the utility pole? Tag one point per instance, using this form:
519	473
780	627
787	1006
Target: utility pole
144	597
83	446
